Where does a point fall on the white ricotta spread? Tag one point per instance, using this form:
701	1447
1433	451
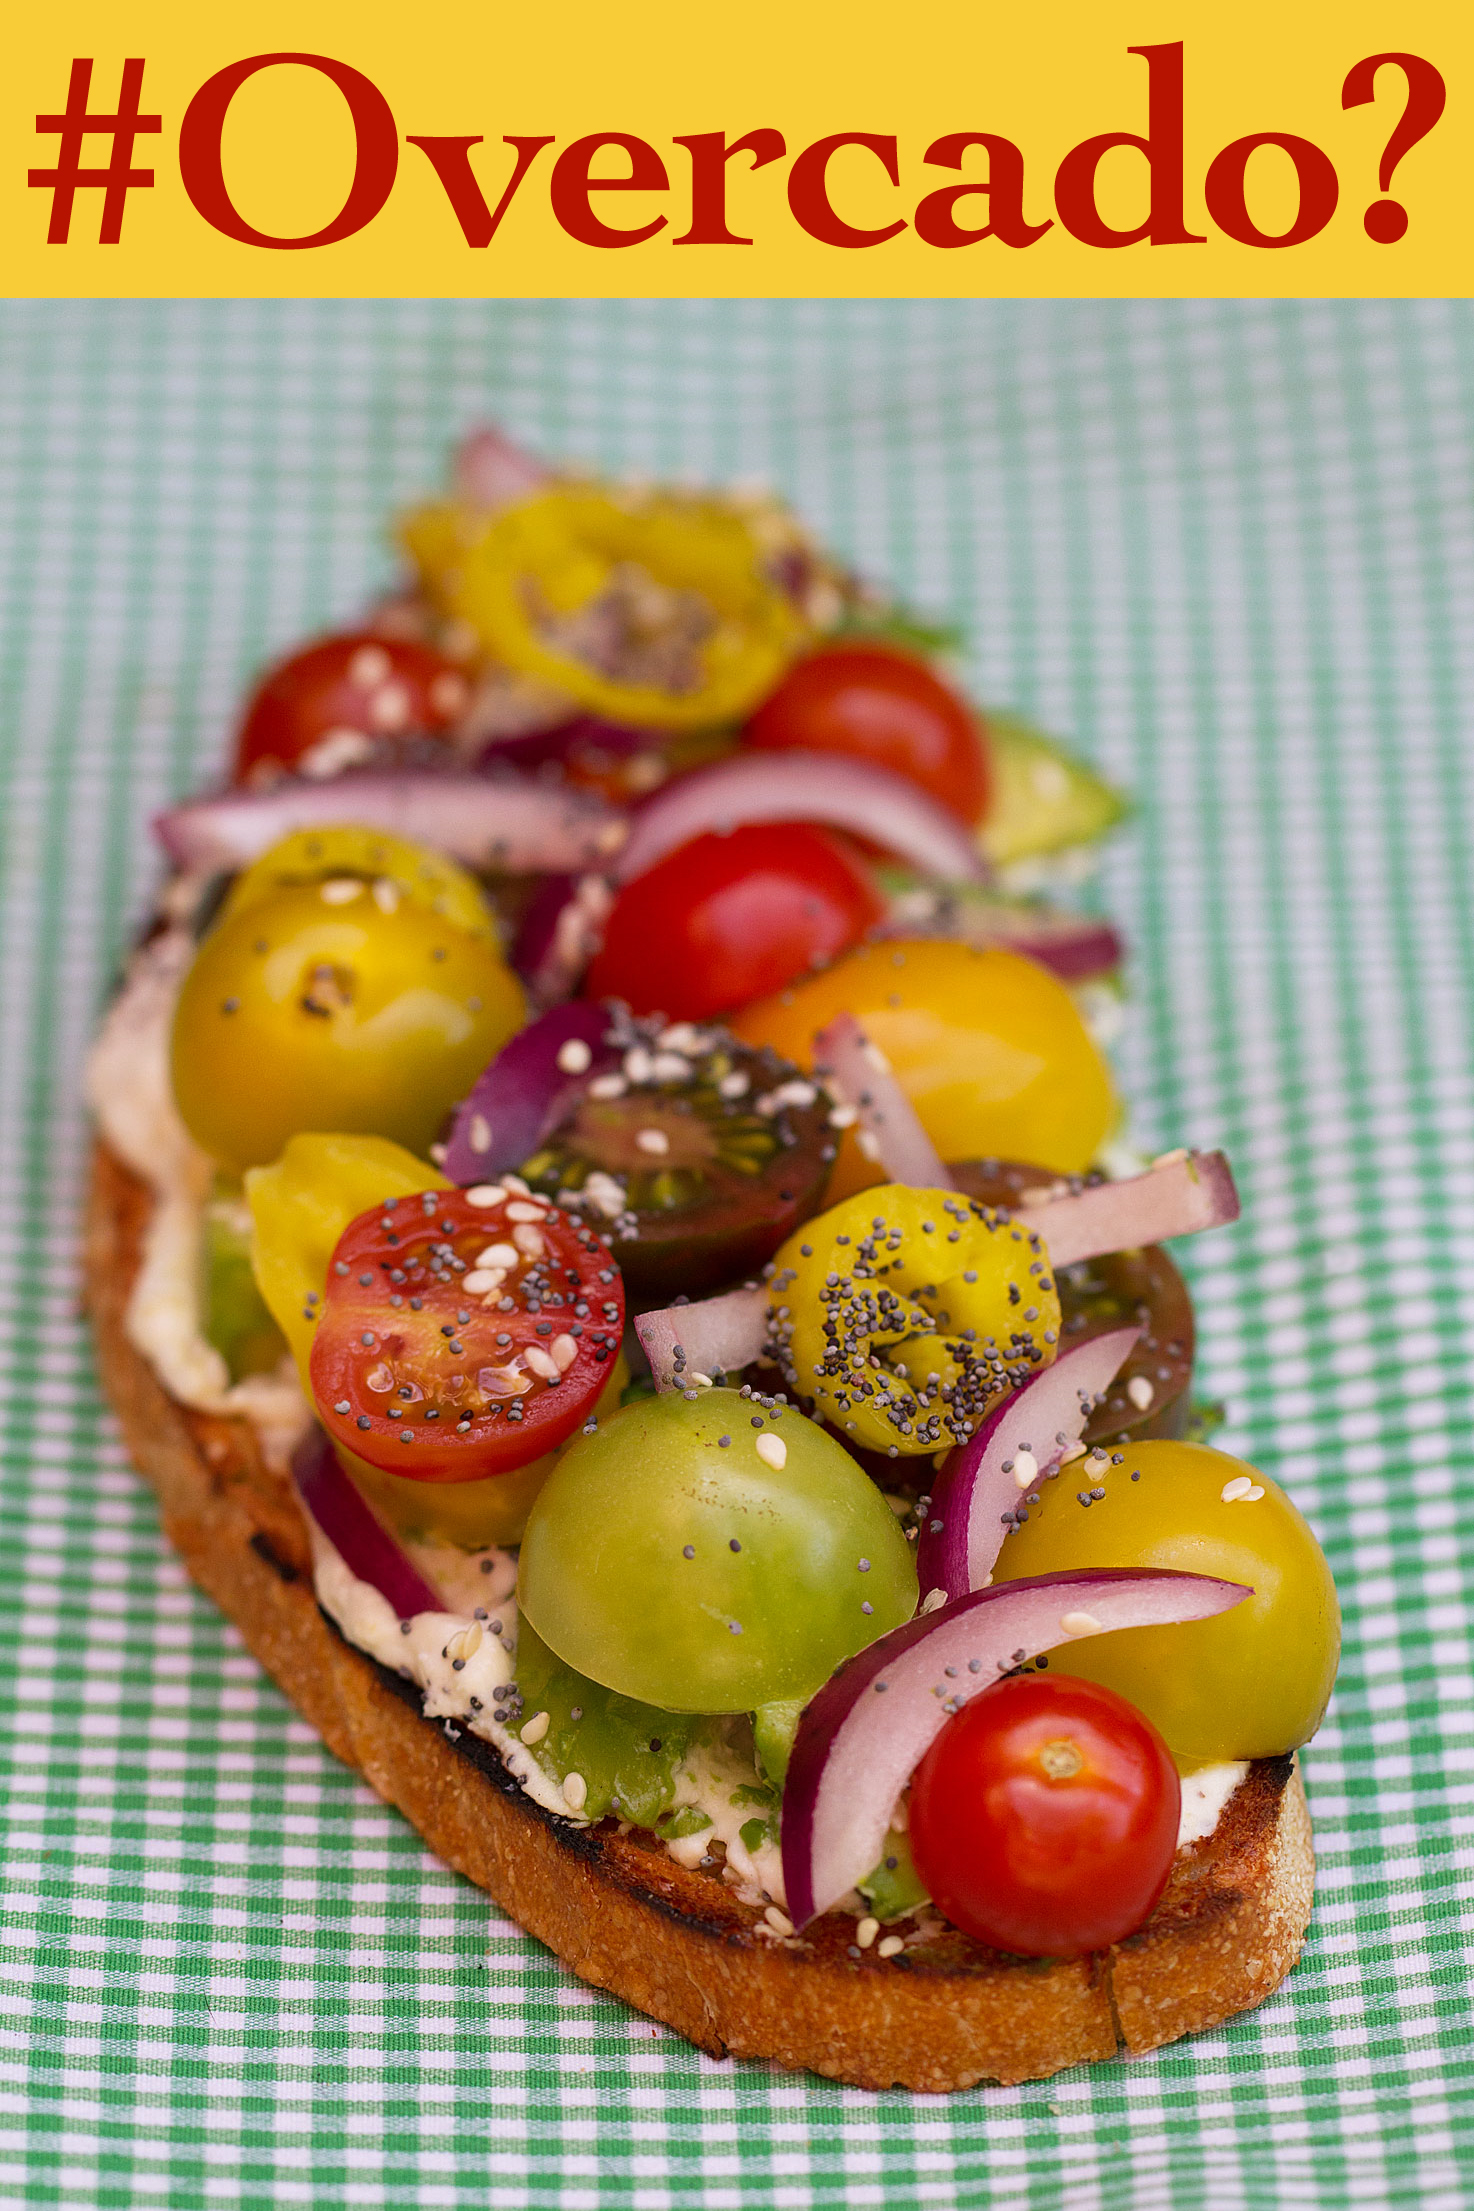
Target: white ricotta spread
1205	1792
132	1099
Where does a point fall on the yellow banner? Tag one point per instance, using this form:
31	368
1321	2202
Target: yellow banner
789	147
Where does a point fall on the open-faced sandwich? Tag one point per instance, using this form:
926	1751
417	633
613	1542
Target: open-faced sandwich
612	1238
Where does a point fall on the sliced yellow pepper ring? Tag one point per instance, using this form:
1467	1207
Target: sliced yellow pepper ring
653	608
906	1314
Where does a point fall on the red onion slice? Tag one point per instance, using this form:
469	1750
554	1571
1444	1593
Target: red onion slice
1072	946
1021	1443
361	1540
861	1738
510	824
524	1091
490	471
1177	1197
718	1335
561	930
891	1133
802	786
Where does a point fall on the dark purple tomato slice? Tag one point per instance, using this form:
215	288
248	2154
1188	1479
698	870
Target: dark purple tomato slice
696	1155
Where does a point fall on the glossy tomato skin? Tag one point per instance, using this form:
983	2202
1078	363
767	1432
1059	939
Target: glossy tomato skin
727	918
1044	1817
463	1333
319	1007
706	1558
1193	1510
873	702
989	1047
357	685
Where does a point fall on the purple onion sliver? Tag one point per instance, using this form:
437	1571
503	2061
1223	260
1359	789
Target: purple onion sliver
1074	954
857	1072
1178	1197
512	823
560	932
965	1528
521	1096
362	1542
490	471
867	801
717	1335
858	1744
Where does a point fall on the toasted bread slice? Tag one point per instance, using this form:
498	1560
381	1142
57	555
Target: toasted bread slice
616	1908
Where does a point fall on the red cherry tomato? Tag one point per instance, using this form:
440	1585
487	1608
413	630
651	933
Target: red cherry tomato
356	686
724	919
1043	1819
461	1339
882	705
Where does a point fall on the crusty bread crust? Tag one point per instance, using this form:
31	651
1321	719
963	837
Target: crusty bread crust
617	1909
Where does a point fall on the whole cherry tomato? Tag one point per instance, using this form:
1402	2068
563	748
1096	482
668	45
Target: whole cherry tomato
879	704
726	918
464	1332
1044	1817
321	709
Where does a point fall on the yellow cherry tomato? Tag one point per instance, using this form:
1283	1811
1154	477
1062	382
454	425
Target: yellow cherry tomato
1249	1684
315	1008
906	1314
989	1047
391	868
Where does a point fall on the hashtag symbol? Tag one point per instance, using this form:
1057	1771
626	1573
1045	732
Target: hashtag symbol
119	174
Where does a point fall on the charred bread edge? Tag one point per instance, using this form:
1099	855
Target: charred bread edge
616	1909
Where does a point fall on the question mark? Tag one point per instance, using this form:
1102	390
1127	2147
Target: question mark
1386	220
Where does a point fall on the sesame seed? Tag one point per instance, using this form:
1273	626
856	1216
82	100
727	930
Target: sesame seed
892	1947
655	1142
773	1452
866	1932
575	1057
536	1728
575	1791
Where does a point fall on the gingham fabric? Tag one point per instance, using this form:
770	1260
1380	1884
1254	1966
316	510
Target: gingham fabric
1228	549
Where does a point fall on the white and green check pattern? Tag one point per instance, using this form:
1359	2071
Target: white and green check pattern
1228	549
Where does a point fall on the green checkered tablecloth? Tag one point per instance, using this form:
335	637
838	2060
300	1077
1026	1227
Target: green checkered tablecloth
1229	549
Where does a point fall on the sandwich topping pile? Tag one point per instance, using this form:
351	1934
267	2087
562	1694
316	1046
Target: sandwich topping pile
620	1085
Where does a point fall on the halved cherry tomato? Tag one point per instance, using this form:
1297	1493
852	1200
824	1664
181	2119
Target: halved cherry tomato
324	707
464	1332
878	704
724	919
1043	1820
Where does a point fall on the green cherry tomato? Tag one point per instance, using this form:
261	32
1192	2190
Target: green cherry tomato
300	1206
1249	1684
906	1314
688	1557
316	1008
